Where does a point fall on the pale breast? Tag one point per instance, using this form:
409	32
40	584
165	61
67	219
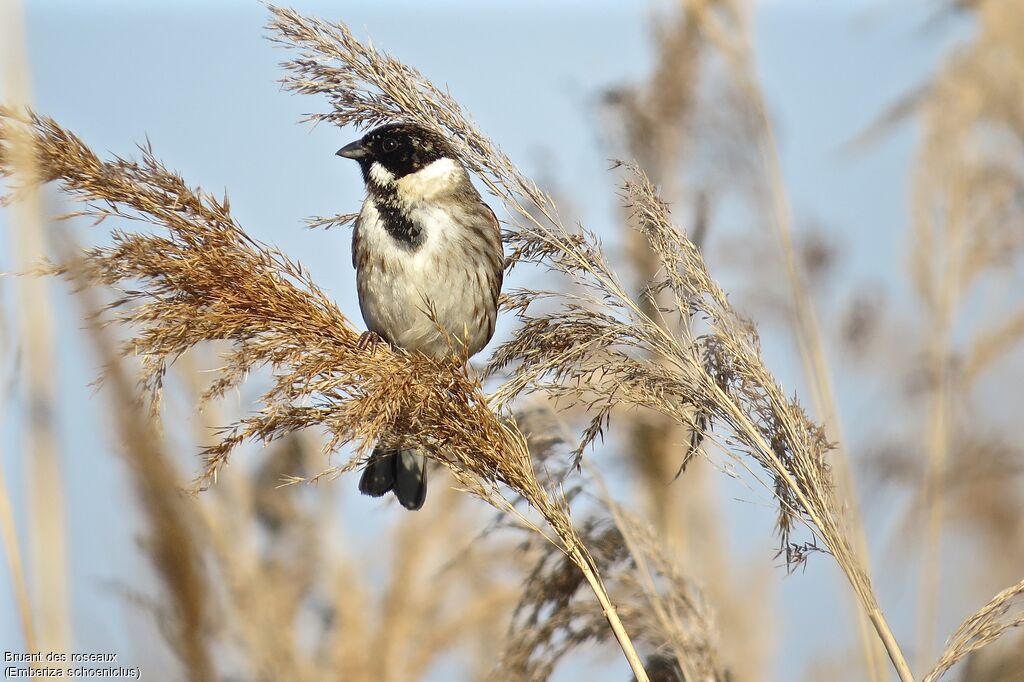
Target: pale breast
436	298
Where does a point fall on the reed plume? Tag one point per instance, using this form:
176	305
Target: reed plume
590	342
192	276
1004	611
206	280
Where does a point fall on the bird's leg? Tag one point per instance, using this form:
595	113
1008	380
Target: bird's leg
369	340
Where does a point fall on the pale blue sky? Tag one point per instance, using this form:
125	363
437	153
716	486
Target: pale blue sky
199	80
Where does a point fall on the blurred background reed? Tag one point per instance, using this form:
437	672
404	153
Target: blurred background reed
854	175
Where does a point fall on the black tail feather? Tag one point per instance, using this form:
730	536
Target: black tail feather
410	478
402	470
379	474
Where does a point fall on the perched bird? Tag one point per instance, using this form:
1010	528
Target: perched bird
429	265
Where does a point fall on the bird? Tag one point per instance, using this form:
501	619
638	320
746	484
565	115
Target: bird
429	265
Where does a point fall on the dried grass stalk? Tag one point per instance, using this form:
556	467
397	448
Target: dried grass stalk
732	34
200	278
48	544
12	552
655	118
592	339
967	190
661	608
173	543
203	279
1004	611
664	124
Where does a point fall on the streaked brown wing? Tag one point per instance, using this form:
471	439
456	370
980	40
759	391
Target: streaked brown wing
498	253
355	241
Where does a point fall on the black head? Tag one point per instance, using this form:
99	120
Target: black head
400	148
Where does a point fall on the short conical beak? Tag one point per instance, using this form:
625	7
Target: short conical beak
354	150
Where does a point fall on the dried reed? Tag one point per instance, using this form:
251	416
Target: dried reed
12	552
729	30
48	552
206	280
1004	611
659	123
966	194
577	346
663	608
253	601
200	278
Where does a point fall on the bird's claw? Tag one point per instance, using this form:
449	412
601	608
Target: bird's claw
368	340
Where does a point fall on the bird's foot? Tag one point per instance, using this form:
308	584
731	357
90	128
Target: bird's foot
369	340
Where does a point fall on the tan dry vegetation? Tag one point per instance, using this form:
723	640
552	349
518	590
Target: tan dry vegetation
967	220
47	554
246	566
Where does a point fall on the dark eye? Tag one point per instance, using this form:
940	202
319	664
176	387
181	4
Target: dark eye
389	144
